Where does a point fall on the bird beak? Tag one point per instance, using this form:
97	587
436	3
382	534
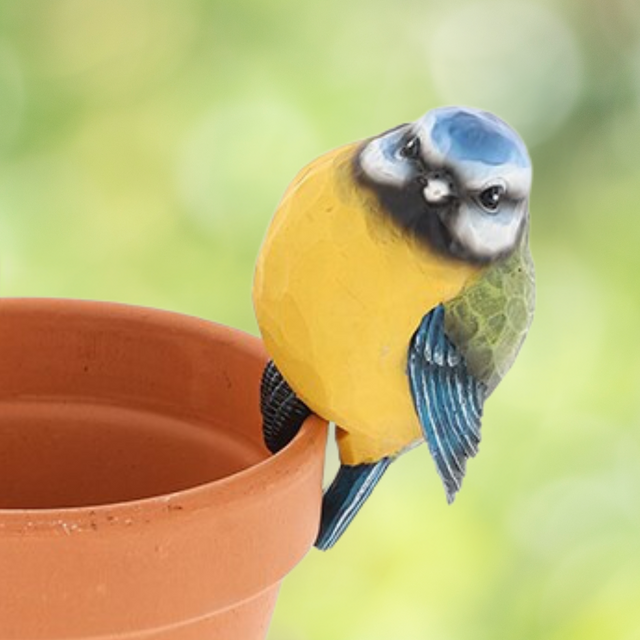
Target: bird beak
437	189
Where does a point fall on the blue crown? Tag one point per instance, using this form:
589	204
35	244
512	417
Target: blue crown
468	135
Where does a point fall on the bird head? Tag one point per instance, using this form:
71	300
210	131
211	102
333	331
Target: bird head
457	178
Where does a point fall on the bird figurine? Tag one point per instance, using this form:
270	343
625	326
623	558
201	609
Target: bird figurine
393	291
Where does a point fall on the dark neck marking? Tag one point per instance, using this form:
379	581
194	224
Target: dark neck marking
411	213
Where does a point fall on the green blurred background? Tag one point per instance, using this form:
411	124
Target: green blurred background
143	148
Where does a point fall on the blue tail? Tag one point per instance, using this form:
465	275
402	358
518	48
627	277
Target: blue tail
343	499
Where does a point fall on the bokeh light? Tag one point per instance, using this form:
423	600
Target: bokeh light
515	58
228	159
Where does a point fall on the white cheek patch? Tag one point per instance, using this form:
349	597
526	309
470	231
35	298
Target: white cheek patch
485	235
380	164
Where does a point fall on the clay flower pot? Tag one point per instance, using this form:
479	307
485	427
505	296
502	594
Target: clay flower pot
136	497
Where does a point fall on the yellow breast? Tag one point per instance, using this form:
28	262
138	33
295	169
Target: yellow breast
338	294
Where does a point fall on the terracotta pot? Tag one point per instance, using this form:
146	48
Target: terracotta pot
136	497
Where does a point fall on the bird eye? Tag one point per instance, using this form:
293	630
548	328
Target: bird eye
411	148
490	198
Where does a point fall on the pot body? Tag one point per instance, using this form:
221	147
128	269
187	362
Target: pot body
137	499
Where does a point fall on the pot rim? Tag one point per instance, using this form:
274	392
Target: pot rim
247	484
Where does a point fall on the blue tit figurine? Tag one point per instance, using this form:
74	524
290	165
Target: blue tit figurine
393	291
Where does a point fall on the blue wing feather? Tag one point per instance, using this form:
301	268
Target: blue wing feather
447	398
467	441
344	498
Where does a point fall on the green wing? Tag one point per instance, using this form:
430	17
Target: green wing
459	354
489	320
